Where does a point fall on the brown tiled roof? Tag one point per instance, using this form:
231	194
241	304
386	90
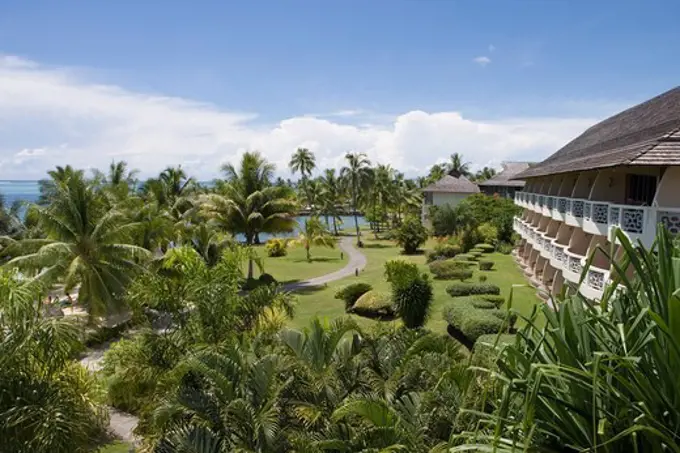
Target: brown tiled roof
453	185
646	134
503	178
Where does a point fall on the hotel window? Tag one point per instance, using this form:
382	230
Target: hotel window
640	189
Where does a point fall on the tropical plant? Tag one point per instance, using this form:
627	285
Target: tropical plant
277	247
356	175
314	233
303	161
485	174
48	403
457	167
411	235
350	293
86	247
597	377
331	198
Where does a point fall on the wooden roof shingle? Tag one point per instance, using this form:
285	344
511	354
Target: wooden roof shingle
452	184
646	134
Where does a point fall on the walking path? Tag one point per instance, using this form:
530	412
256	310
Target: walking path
122	424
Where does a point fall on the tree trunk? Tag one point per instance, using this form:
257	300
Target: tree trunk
309	255
250	268
356	220
335	226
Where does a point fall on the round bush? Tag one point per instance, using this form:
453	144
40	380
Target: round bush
486	248
482	278
486	265
374	304
467	289
473	322
352	292
267	279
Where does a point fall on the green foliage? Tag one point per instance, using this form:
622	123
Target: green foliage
444	220
467	289
267	279
476	251
486	265
411	235
466	238
463	257
487	348
474	318
314	233
505	248
400	271
482	278
412	300
487	233
450	270
276	247
486	248
352	292
479	209
599	376
374	304
497	300
48	403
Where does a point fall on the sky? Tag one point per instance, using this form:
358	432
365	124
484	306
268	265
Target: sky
408	82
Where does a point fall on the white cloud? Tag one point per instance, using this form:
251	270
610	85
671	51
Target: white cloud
482	61
55	117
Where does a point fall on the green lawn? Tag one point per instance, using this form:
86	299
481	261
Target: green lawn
295	267
320	301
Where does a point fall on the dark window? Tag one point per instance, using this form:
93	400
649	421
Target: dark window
428	198
640	190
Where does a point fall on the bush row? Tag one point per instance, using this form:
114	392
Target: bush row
467	289
450	269
474	318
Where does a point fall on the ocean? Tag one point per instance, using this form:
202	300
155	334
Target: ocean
29	191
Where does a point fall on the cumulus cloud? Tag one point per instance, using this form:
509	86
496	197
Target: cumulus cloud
53	116
482	61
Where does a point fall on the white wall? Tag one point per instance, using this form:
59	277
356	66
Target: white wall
440	199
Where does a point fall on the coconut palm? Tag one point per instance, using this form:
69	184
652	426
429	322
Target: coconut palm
331	198
87	247
456	167
303	161
356	175
437	172
485	174
48	403
314	233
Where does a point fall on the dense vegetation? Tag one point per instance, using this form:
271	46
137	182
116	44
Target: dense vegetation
213	367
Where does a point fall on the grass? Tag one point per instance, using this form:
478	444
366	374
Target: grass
320	301
295	267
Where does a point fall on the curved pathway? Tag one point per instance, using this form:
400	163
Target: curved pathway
357	261
122	424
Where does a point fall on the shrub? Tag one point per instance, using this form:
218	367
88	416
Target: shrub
465	257
443	219
467	289
411	235
400	271
505	248
249	284
486	265
487	233
473	322
450	269
267	279
412	301
352	292
467	238
446	250
484	354
498	300
486	248
374	304
476	251
482	278
276	247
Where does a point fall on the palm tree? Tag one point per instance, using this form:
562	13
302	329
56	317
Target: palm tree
331	197
315	233
356	174
87	246
456	167
48	403
311	194
485	174
303	161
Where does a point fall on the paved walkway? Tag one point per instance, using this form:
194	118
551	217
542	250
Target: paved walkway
357	261
122	424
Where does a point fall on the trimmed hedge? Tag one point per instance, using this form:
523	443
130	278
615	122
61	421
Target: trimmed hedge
476	254
486	265
450	270
497	300
352	292
475	250
374	304
473	321
468	289
486	248
466	257
484	354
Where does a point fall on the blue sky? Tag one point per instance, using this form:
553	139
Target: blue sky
405	81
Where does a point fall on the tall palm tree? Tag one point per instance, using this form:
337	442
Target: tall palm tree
437	172
314	233
485	174
456	167
303	161
331	197
355	175
87	247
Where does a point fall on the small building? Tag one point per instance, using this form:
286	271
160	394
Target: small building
622	173
449	190
502	184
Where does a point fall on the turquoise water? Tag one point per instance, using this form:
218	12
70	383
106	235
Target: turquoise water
29	191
